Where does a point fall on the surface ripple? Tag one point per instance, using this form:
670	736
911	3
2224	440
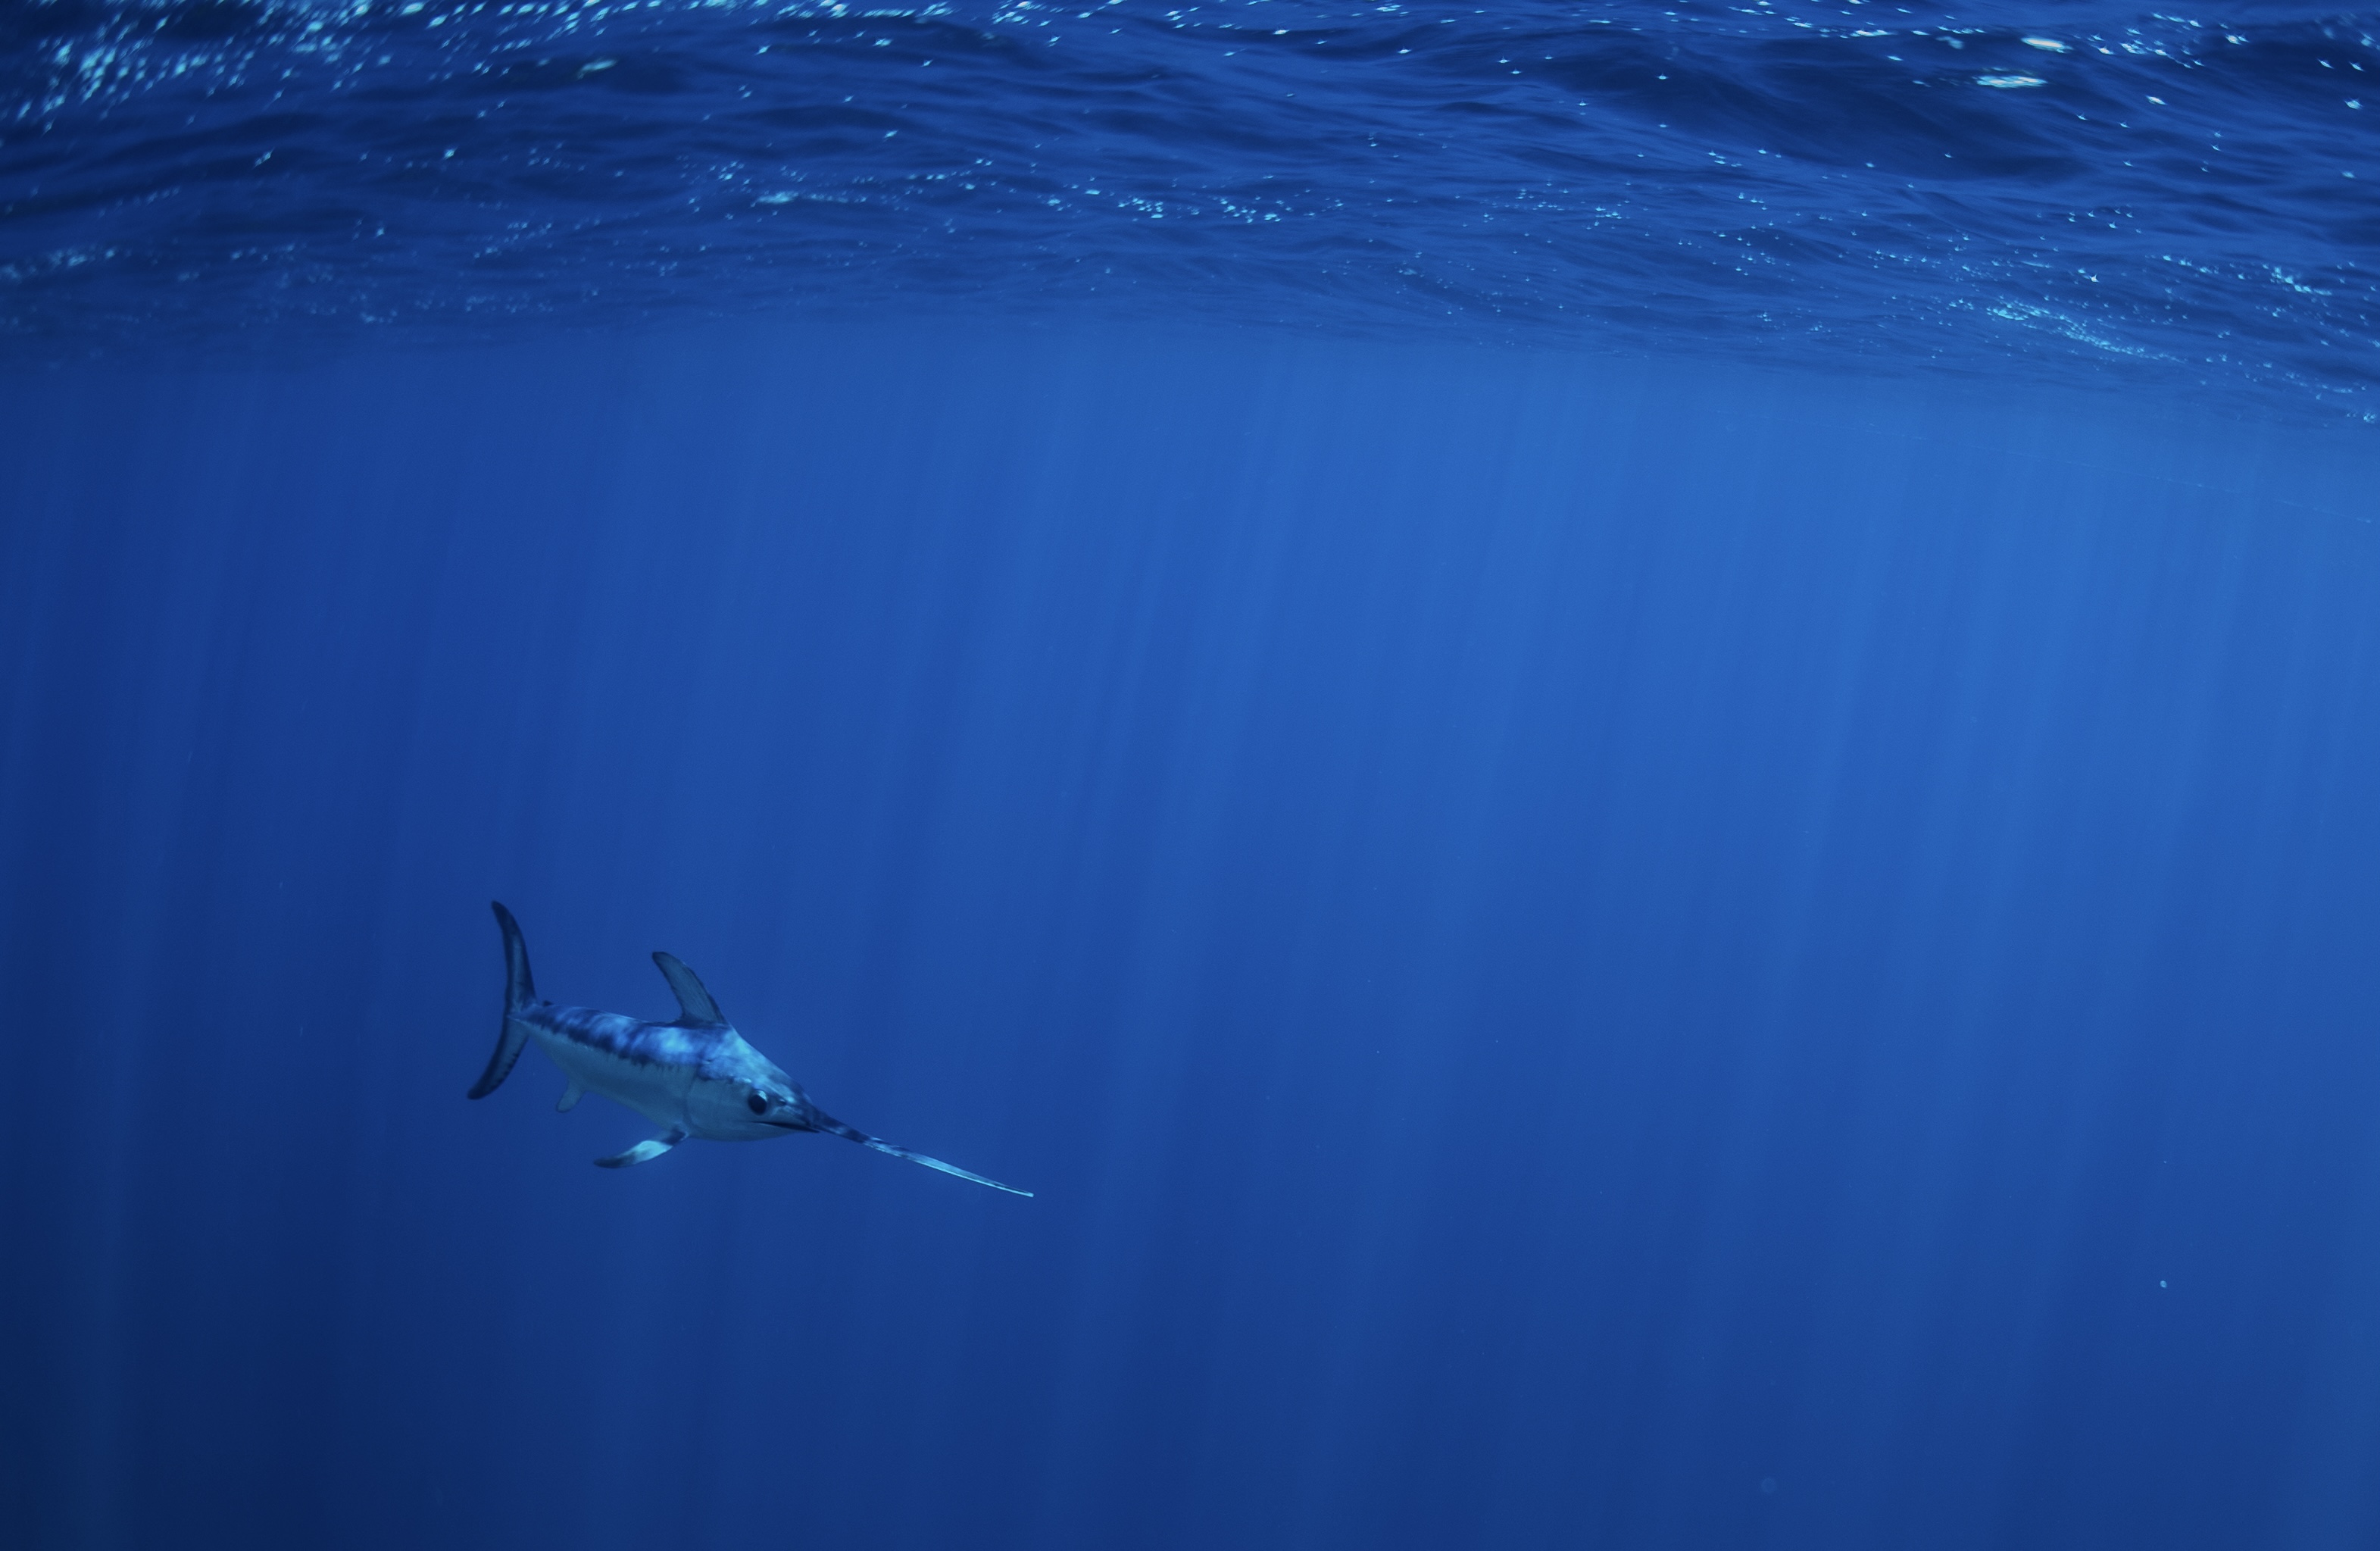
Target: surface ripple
2069	190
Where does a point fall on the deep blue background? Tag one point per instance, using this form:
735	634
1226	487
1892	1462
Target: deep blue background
1580	953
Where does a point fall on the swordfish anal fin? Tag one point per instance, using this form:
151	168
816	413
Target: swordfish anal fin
694	1004
850	1133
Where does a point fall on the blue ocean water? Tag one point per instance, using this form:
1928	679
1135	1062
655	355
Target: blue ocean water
2079	190
1632	751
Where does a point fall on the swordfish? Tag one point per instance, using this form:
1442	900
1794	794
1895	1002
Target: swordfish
694	1077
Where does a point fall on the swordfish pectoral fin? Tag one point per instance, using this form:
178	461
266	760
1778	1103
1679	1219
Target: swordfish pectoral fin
643	1152
570	1097
828	1123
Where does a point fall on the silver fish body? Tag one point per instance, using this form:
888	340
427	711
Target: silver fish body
696	1076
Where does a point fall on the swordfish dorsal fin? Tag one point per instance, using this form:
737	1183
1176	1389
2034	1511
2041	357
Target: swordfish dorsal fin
694	1004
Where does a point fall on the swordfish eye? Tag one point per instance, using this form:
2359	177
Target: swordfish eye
757	1102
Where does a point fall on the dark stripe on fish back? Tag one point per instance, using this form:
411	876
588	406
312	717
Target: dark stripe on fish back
640	1044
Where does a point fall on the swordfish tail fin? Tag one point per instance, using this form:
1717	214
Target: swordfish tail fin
520	992
829	1123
